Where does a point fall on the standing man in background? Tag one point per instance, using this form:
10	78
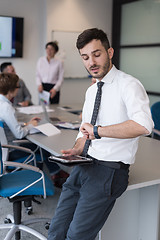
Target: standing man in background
23	97
49	73
110	137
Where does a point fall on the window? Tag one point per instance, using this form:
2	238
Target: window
136	40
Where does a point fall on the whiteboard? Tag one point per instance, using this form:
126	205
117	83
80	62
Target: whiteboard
68	53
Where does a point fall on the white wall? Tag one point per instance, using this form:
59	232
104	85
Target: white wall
34	15
40	18
73	90
77	15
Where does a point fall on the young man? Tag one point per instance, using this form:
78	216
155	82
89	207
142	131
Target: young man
90	192
23	97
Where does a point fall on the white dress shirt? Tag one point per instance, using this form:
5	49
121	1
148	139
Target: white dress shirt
123	98
50	72
7	115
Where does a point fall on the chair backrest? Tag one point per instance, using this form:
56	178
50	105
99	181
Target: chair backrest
3	140
155	111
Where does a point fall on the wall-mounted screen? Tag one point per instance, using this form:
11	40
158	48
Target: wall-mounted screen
11	37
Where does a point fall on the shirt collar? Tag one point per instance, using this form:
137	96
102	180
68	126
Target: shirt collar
51	60
109	77
3	98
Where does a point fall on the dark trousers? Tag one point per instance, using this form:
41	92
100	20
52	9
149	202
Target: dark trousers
47	87
86	201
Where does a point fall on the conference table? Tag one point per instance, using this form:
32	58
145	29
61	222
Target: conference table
136	213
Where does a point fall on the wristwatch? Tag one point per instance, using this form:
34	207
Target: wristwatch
95	131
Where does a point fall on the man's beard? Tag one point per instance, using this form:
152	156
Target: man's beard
105	70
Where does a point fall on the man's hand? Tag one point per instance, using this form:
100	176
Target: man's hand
52	93
69	152
34	121
23	104
77	148
87	130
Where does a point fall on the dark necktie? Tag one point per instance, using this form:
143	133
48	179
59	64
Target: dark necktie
94	114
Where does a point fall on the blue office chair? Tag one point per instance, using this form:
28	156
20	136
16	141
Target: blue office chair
29	156
155	111
18	186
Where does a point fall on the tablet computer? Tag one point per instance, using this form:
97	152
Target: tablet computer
70	160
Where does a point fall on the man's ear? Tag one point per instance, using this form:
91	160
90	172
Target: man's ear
110	52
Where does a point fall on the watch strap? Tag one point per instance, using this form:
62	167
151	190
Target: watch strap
95	131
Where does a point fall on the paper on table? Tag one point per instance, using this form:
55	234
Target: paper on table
44	96
47	128
34	109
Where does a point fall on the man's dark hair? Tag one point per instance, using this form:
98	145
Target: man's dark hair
90	34
8	82
54	45
4	65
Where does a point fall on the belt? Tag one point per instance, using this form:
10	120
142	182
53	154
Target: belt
111	164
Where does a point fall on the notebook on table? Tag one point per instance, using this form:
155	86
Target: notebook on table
70	160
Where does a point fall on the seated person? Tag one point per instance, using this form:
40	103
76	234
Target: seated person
23	97
9	85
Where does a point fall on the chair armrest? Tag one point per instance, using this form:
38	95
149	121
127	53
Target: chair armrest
22	165
156	131
31	157
18	148
21	141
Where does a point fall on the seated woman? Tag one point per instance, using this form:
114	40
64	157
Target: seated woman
9	84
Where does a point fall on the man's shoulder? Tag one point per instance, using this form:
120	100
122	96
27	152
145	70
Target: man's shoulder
128	83
58	60
126	78
21	83
41	59
91	89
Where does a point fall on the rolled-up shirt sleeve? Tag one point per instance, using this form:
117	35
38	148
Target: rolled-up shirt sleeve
137	103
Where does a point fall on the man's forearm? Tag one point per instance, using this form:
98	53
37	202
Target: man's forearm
79	145
128	129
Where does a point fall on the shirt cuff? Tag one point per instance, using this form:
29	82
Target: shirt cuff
144	120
